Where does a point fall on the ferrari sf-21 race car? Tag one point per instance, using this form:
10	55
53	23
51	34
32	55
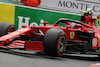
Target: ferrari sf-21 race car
75	37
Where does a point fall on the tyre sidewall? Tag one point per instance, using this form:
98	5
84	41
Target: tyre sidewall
51	39
4	28
62	35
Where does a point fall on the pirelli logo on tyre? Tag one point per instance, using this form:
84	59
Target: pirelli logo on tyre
72	34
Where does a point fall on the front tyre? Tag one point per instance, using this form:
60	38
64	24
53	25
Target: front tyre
55	42
6	28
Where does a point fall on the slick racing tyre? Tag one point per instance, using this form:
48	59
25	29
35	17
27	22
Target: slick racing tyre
99	55
55	42
6	28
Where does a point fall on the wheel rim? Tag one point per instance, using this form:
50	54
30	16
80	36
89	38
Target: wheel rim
62	43
11	29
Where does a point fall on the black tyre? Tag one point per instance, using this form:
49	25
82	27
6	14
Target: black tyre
55	42
5	28
99	55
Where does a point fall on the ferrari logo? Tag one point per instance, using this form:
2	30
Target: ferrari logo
72	34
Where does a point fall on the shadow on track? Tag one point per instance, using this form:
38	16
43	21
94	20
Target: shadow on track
86	58
42	55
28	54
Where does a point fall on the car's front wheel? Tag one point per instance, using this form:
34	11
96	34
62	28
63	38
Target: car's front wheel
6	28
55	42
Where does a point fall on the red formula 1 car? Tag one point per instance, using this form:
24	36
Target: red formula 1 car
75	37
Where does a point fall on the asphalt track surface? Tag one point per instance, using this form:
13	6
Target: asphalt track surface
19	58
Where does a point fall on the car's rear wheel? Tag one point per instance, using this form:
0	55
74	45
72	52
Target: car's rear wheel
55	42
6	28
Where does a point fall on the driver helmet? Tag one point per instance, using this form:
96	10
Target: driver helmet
89	10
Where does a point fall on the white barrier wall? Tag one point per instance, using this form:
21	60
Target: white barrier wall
72	5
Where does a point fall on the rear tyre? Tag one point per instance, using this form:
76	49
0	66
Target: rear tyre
6	28
55	42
